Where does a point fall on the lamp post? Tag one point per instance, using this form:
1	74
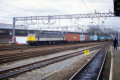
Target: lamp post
10	38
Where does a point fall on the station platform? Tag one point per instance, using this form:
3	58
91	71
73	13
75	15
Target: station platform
115	64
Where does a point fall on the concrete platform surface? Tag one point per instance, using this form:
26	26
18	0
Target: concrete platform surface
116	64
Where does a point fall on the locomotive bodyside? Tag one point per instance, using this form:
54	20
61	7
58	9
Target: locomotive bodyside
45	38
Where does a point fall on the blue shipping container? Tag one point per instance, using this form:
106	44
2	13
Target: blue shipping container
91	37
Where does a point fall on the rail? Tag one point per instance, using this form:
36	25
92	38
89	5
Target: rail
21	69
92	69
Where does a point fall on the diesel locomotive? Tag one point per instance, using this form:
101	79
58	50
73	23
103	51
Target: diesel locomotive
45	38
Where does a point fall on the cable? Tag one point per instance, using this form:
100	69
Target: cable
94	21
91	2
5	17
86	6
19	12
16	7
88	10
104	19
10	12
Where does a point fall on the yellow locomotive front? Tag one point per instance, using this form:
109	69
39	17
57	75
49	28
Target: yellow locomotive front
31	38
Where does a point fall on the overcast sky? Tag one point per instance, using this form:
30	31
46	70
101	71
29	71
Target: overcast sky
51	7
16	8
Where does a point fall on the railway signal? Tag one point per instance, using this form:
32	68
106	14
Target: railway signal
117	7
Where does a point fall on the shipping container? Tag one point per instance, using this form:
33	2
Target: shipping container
82	37
93	37
106	38
87	37
110	38
98	38
72	37
102	38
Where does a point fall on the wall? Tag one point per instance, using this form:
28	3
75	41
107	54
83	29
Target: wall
21	39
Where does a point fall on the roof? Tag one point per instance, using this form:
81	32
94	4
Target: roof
10	26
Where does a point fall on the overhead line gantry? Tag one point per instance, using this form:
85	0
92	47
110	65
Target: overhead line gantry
50	17
71	16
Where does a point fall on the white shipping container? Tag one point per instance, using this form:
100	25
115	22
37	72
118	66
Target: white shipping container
95	37
82	37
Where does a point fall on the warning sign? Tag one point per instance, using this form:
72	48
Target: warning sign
86	52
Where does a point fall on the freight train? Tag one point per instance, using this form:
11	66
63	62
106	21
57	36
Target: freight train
57	38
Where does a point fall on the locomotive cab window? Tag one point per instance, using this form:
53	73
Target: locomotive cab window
31	34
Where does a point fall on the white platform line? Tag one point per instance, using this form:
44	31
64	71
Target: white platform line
111	69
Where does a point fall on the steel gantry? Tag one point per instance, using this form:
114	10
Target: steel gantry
50	17
72	16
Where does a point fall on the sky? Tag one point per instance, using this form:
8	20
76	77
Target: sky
22	8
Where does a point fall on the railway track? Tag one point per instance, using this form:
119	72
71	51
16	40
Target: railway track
22	69
14	47
91	70
19	56
23	47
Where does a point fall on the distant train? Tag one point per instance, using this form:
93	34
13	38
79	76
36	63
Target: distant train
57	38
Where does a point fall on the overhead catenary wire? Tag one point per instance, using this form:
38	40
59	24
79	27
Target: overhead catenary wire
91	2
13	11
86	6
88	9
16	7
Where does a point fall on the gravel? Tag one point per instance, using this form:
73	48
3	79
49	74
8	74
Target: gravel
36	59
67	72
57	70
